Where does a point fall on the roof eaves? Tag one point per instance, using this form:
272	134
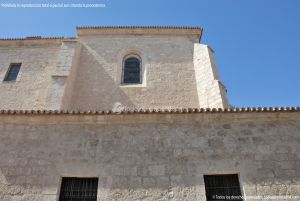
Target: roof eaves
38	38
151	111
137	27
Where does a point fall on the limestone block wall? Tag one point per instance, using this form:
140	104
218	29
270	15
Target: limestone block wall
168	72
85	73
150	156
211	92
57	90
46	65
69	86
29	91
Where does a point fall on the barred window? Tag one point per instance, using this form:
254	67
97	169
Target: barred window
12	72
222	187
78	189
132	70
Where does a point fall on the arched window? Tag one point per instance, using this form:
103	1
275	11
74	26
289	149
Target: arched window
131	70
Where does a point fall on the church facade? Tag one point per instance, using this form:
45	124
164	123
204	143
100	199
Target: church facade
135	113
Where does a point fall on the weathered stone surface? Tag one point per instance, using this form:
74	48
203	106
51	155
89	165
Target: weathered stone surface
136	157
85	73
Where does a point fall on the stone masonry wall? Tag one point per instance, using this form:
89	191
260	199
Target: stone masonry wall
85	73
149	156
168	72
211	92
29	91
40	84
66	61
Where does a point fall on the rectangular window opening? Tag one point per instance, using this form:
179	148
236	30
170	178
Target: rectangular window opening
77	189
12	72
222	187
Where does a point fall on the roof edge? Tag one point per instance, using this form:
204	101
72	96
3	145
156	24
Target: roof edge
151	111
139	30
92	30
30	38
137	27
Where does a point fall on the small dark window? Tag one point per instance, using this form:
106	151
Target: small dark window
132	71
13	72
78	189
222	187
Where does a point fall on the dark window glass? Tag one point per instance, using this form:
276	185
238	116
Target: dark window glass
131	71
222	187
13	72
79	189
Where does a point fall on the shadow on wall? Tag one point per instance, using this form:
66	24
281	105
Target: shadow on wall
95	87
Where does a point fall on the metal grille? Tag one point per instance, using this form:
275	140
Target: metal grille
131	71
79	189
222	187
13	72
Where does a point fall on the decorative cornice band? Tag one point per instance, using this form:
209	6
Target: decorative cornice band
113	30
152	111
139	30
38	38
137	27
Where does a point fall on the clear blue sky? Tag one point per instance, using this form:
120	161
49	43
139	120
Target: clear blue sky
256	42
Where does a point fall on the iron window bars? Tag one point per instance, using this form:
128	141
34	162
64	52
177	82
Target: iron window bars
222	187
78	189
132	71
